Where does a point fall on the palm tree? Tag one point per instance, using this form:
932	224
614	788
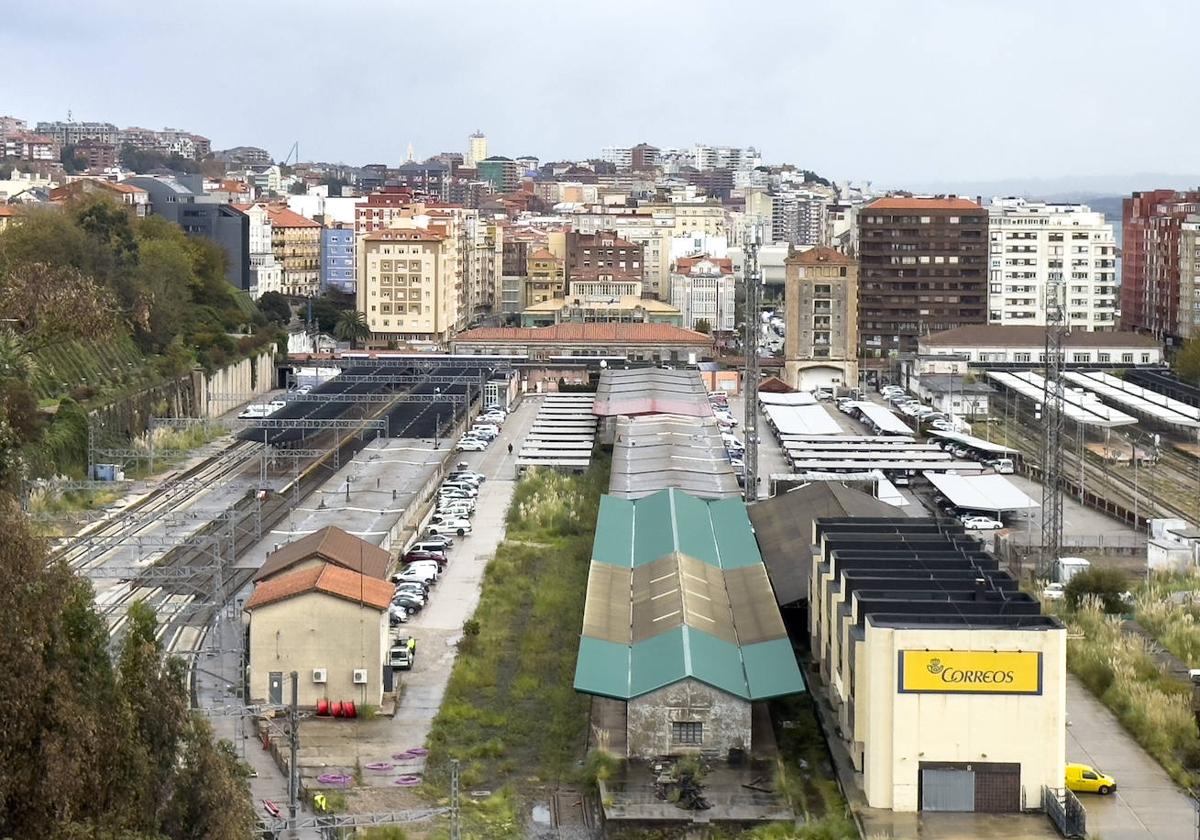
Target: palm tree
352	326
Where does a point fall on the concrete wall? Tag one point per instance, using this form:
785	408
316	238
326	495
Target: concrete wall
316	630
726	719
254	376
904	729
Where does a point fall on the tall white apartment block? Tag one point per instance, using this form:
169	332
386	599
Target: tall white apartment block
1032	244
622	158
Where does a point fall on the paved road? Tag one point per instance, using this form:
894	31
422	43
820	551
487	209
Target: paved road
1147	805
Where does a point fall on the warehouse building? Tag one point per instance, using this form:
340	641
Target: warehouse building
948	683
680	626
320	608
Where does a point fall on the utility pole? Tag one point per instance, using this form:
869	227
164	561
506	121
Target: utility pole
1053	416
294	745
751	280
455	827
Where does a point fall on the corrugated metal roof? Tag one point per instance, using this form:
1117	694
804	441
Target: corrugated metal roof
677	590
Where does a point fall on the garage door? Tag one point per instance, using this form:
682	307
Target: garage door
997	788
947	790
991	788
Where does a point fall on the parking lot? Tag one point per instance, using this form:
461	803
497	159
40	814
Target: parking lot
328	745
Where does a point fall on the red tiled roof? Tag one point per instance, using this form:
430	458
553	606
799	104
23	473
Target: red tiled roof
403	235
124	188
282	217
240	207
542	254
900	202
327	578
8	210
684	265
615	332
333	545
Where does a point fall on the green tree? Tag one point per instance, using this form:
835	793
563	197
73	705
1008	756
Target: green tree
327	309
702	325
211	799
1187	361
298	188
71	161
275	307
352	326
1107	584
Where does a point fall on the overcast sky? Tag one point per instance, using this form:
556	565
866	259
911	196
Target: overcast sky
896	92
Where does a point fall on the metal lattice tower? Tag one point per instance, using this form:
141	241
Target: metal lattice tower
1053	417
752	281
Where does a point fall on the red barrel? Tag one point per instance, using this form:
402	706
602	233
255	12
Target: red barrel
336	708
348	709
323	707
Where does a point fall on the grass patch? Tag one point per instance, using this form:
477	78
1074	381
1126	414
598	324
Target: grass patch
1153	706
510	714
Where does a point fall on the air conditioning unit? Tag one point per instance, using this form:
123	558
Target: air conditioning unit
360	676
319	675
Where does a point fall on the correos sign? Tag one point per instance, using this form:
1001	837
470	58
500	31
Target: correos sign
970	672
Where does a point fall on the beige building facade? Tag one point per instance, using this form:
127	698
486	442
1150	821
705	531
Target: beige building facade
821	318
409	287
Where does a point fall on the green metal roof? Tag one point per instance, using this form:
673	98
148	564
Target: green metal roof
678	590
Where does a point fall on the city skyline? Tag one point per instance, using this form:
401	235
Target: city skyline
1014	84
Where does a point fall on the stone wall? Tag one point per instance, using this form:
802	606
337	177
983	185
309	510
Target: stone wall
726	719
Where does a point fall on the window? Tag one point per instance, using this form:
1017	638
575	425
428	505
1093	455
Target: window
1103	358
1127	358
689	733
1145	358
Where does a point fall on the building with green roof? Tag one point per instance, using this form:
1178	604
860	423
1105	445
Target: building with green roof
681	623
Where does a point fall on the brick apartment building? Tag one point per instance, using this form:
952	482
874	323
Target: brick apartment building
1150	268
923	269
603	256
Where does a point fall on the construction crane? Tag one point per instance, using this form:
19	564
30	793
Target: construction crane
293	155
752	281
1053	417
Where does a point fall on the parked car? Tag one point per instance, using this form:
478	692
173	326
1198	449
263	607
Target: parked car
401	657
981	523
1054	592
418	574
460	526
468	474
414	556
1083	778
440	543
461	487
471	445
410	600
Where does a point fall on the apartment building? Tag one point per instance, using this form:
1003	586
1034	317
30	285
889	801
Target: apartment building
652	231
922	269
798	217
69	133
603	256
26	146
380	209
501	172
296	243
1187	320
477	150
821	312
1152	224
407	280
724	157
338	271
703	288
545	279
1033	246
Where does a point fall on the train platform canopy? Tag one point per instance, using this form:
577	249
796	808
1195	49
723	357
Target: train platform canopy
1080	407
884	420
677	590
974	442
802	420
658	451
981	492
1141	400
651	391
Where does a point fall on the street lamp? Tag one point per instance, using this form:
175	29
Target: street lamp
437	417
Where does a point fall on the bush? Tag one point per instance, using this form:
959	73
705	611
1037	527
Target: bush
1108	585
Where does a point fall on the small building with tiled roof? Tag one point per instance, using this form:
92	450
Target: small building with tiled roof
320	608
636	342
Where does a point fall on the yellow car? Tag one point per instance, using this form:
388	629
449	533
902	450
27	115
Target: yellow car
1083	778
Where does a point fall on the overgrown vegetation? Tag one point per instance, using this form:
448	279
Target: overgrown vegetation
1119	669
510	714
95	746
804	777
96	303
1106	584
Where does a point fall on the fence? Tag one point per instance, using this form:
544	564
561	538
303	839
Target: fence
1098	542
1064	811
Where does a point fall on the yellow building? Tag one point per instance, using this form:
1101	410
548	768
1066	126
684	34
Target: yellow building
296	245
947	682
320	608
546	278
409	286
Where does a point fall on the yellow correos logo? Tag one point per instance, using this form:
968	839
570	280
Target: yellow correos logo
970	672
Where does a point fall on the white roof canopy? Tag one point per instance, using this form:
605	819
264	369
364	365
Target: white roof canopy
981	492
